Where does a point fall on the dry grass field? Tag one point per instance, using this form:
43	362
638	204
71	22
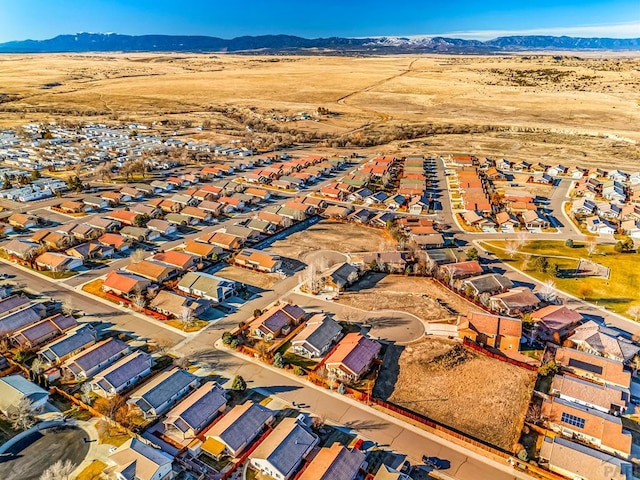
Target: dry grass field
416	295
463	389
549	108
329	235
250	277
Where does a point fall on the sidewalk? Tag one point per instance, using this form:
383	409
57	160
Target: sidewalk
494	463
78	289
562	293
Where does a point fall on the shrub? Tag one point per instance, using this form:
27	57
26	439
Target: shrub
238	384
20	356
541	264
472	254
227	338
548	368
568	243
278	360
298	370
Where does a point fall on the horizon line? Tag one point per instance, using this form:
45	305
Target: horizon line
630	30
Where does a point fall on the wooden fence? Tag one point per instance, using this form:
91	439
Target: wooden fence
246	454
96	413
463	296
474	346
126	301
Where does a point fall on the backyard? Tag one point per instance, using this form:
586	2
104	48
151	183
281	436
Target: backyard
330	235
249	277
460	388
619	293
418	296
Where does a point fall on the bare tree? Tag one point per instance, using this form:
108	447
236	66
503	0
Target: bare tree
59	471
311	277
139	301
331	379
85	390
162	347
511	248
4	344
548	291
322	263
36	367
21	414
522	238
186	317
138	256
68	307
534	413
591	245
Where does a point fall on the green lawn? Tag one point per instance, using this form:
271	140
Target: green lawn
619	293
217	464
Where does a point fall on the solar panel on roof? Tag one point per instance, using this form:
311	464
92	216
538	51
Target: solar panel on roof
589	367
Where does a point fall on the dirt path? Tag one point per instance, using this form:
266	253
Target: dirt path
384	117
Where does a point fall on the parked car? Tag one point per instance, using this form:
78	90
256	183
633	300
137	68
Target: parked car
436	463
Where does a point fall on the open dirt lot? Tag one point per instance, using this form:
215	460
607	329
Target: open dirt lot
531	107
419	296
328	235
249	277
463	389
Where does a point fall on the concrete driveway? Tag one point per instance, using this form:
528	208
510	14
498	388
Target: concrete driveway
35	453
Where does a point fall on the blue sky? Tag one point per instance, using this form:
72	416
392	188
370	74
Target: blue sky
38	19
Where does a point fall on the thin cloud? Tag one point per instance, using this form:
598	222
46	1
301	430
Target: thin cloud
621	30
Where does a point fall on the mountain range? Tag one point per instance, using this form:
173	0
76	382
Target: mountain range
99	42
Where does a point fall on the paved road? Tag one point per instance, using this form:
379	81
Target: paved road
370	424
362	420
200	347
141	328
40	450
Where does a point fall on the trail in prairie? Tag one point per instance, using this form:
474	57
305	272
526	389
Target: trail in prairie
383	117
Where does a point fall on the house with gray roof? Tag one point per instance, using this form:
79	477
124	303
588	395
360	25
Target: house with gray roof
43	331
575	460
15	387
317	337
195	412
75	341
597	339
85	364
12	304
162	392
21	249
490	283
135	460
246	233
235	431
276	321
341	277
123	374
207	286
20	318
282	452
261	226
444	256
169	303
